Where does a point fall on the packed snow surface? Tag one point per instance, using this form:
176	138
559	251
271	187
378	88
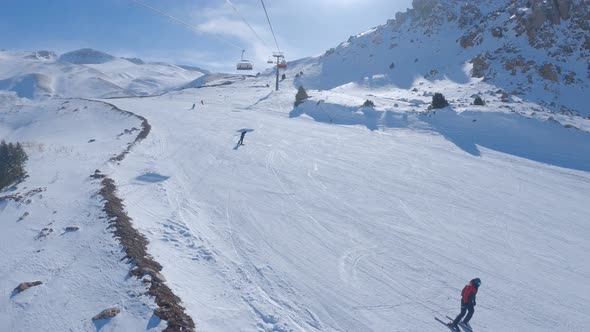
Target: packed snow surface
354	219
331	217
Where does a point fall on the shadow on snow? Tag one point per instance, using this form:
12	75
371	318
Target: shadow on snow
542	141
152	178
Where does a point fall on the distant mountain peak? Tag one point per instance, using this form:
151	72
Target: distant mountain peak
136	61
86	56
41	55
40	74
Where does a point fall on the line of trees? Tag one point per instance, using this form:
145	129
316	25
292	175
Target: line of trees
12	163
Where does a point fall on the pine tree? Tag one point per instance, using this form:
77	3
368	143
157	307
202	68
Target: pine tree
439	101
12	162
300	96
3	163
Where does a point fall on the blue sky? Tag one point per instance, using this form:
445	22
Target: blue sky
124	28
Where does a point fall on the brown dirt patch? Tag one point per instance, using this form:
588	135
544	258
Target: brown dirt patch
135	246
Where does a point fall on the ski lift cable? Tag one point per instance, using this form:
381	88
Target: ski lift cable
245	21
186	24
270	25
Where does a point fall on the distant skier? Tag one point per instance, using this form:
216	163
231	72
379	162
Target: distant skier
193	106
202	102
241	141
467	303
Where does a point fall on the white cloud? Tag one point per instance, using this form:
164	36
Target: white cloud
223	22
303	27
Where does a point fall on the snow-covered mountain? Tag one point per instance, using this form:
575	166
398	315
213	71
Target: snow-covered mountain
333	216
86	56
87	73
535	50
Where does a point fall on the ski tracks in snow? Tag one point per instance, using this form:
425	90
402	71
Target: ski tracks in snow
270	159
349	261
260	284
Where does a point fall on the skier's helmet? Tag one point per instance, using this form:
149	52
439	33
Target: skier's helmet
476	282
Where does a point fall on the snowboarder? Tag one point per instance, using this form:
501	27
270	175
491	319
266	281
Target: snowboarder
241	141
467	303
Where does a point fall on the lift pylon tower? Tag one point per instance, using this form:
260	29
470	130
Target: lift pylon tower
279	56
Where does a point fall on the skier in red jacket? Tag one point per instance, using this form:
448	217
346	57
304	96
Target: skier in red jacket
467	303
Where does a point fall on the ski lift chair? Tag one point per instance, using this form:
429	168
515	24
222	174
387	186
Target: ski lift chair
244	64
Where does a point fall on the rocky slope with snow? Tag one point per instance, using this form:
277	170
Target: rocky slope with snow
87	73
536	50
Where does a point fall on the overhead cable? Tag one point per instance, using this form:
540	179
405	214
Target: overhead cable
186	24
245	21
270	25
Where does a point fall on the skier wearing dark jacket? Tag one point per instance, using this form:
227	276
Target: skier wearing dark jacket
467	302
241	141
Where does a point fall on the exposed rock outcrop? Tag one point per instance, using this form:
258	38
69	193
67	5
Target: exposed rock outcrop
424	7
548	72
107	313
469	14
26	285
544	11
480	65
497	32
471	38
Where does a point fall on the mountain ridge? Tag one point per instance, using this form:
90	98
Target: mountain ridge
88	73
536	50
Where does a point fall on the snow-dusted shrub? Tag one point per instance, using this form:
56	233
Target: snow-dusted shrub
12	163
369	103
439	101
478	101
300	96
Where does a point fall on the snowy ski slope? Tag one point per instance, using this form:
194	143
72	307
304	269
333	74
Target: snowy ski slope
332	216
315	226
